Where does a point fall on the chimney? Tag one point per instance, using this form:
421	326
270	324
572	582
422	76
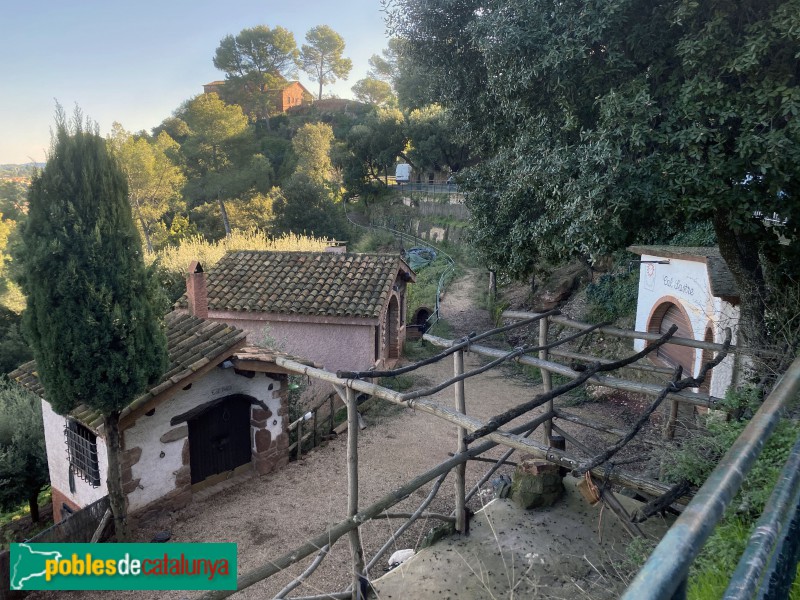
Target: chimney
196	291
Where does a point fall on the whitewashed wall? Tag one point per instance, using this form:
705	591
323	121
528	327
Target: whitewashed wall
156	473
58	461
686	282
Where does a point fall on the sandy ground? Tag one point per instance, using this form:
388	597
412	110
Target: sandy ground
267	516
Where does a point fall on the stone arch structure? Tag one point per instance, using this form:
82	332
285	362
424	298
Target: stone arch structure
666	312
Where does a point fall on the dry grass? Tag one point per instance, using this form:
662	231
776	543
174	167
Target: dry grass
177	258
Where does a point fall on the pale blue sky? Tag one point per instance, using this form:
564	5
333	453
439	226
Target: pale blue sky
136	62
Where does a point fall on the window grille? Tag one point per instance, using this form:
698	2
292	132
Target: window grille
82	452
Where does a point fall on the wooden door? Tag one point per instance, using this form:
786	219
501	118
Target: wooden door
219	438
666	315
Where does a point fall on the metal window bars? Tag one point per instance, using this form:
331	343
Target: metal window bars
82	452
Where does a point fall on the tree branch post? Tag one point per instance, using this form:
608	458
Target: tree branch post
547	383
461	470
356	550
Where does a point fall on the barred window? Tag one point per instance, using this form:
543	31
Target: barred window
82	451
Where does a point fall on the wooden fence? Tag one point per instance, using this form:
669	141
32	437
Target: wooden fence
476	437
79	527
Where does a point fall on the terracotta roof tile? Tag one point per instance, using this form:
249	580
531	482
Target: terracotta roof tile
302	283
191	342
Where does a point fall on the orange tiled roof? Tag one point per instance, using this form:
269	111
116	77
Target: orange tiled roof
192	343
303	283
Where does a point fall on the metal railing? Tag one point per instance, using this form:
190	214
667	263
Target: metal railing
769	562
406	238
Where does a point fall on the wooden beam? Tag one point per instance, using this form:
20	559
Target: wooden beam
649	389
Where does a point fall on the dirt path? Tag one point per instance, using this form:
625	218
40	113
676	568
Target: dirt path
269	515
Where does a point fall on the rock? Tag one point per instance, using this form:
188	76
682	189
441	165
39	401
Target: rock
161	537
501	486
536	484
438	533
399	557
558	286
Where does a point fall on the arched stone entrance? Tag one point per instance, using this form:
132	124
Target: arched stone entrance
419	323
665	315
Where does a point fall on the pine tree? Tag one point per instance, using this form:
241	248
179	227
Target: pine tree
91	317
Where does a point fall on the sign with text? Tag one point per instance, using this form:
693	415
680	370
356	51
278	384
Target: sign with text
123	566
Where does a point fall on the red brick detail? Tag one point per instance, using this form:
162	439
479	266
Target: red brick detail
183	477
129	486
60	498
263	440
537	467
130	457
260	415
196	292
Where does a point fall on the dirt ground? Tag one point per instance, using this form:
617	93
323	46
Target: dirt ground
268	516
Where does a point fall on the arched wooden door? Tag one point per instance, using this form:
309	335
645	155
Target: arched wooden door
666	315
219	437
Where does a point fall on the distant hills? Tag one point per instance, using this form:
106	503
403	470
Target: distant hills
13	171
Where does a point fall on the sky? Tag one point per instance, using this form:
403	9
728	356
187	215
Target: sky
136	62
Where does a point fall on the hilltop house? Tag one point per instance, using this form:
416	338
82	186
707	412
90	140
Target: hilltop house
219	408
341	310
693	289
284	96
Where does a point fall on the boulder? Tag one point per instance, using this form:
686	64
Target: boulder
536	484
558	286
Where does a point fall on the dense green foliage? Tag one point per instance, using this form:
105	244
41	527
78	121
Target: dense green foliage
612	296
13	349
95	335
23	458
255	60
597	122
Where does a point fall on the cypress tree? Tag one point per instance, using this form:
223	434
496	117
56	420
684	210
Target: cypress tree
91	317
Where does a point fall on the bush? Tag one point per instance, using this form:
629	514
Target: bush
612	296
695	460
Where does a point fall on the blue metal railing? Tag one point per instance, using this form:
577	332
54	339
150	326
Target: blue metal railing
770	559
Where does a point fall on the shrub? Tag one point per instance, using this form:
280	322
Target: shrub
612	296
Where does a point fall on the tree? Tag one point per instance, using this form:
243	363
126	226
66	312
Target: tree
255	61
374	91
154	180
599	123
13	349
305	206
23	457
312	145
90	317
214	127
322	57
435	142
372	148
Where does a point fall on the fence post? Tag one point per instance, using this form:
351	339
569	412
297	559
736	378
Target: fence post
547	384
461	470
299	438
672	420
356	550
330	416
